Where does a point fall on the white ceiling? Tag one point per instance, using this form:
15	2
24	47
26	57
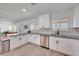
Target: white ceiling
13	11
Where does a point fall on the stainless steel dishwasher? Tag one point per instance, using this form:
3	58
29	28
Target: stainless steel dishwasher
5	46
44	41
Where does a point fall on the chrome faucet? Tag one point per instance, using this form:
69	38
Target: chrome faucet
57	32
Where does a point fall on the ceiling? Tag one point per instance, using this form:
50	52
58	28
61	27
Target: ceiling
13	11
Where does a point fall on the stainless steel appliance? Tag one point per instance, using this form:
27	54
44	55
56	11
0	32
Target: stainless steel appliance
44	41
5	46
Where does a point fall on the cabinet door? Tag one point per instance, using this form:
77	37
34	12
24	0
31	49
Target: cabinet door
76	17
63	45
35	38
31	38
14	41
53	43
44	21
74	47
23	39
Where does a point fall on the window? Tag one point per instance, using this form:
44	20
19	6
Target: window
62	25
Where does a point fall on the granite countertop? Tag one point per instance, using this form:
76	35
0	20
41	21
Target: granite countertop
3	38
50	34
66	36
54	35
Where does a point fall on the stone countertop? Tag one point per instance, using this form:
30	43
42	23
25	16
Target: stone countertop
50	34
3	38
66	36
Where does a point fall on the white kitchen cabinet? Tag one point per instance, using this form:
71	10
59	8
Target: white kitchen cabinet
34	38
14	42
23	39
17	41
63	45
59	44
76	17
52	43
44	21
74	47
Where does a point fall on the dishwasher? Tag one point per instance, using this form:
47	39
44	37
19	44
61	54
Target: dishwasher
5	46
44	41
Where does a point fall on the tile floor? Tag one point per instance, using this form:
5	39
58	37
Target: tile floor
31	50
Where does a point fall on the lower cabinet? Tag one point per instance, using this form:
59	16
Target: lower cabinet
34	38
17	41
53	43
74	47
58	44
23	39
63	45
14	42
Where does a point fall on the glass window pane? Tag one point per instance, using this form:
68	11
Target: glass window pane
64	26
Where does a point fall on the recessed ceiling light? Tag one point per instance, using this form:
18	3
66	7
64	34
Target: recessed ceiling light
24	10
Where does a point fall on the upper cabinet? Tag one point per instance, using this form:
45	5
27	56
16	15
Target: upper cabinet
76	17
44	21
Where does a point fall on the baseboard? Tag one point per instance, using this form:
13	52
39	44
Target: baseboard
59	52
20	46
39	46
34	44
44	47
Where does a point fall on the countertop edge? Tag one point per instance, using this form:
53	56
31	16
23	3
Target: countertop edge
45	34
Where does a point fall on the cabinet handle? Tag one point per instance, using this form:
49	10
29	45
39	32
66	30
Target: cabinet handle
57	41
20	38
35	37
